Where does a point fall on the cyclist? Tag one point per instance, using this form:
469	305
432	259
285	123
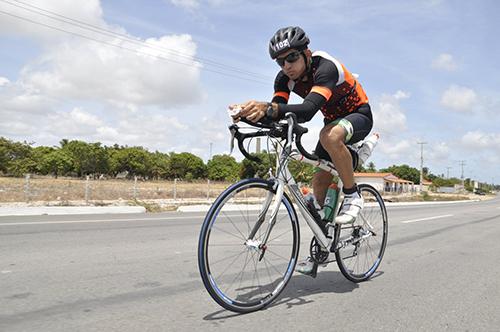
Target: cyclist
325	84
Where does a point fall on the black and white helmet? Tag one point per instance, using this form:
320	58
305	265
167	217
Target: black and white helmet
287	38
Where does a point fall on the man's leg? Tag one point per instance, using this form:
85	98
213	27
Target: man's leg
320	182
332	138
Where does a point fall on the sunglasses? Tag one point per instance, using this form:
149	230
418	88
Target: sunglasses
290	58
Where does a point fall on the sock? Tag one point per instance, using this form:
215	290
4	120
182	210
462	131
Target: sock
350	191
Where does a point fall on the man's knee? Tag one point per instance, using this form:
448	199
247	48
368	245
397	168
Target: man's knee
332	136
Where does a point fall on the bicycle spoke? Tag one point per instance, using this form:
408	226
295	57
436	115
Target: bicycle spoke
227	267
224	259
243	236
233	235
239	278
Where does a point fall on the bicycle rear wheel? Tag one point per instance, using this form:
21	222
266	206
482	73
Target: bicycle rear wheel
239	273
362	244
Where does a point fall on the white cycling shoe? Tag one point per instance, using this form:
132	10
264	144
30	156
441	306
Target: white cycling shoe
351	207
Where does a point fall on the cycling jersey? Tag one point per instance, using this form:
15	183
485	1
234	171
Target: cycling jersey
329	87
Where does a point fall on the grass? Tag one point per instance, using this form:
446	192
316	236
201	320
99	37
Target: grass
65	190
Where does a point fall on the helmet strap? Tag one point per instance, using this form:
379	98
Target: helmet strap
308	65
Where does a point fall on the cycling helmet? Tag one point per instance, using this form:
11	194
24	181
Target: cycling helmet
287	38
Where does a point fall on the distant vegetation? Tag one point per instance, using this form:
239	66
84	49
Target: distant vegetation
77	159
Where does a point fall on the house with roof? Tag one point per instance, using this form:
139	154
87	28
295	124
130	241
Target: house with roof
385	182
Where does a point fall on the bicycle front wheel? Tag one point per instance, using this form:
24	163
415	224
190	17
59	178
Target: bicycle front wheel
362	245
241	273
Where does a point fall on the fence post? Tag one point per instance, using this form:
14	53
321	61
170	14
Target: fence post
208	189
135	187
27	188
175	190
87	189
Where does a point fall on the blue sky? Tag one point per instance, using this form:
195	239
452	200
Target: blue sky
430	70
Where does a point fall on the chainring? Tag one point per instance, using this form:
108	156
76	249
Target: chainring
319	256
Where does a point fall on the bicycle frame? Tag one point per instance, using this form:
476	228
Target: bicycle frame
284	180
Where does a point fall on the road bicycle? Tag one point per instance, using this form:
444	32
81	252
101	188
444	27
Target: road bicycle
249	241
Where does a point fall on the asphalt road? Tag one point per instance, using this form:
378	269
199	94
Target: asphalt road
138	272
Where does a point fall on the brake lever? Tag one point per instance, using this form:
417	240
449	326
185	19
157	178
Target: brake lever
233	129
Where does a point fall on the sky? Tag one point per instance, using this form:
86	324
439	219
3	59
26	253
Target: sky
161	73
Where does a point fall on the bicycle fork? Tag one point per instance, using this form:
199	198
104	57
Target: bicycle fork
261	245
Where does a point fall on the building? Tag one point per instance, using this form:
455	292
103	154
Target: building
385	182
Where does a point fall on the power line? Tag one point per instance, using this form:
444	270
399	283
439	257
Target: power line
94	28
129	49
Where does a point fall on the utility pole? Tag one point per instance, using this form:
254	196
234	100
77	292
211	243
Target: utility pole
448	172
210	157
257	147
462	164
421	163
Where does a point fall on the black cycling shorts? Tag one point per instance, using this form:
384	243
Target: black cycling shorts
361	122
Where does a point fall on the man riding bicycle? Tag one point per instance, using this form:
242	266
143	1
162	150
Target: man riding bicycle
325	84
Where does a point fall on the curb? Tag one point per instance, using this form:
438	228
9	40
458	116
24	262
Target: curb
60	210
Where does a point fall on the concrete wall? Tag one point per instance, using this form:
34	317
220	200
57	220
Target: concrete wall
377	183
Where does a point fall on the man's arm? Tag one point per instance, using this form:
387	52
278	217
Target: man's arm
305	111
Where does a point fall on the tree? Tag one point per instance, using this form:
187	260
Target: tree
88	158
223	167
182	164
370	168
160	165
56	162
134	160
251	168
301	172
404	172
15	157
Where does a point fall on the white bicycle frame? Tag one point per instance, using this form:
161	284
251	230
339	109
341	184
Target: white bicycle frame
284	180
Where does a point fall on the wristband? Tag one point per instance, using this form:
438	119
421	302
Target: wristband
269	111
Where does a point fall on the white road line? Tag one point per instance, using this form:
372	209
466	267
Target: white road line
99	220
429	218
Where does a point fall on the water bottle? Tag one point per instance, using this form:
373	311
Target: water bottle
367	147
331	201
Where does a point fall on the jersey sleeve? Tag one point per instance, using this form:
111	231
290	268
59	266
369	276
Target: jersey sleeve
325	78
281	90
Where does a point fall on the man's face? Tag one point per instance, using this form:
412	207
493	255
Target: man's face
294	64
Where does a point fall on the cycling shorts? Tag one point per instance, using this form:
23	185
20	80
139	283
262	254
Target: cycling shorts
357	124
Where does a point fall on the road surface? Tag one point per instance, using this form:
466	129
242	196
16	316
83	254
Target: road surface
138	272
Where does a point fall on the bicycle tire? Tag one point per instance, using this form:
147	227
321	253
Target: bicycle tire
352	266
217	239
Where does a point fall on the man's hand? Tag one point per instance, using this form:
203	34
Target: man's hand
234	111
253	110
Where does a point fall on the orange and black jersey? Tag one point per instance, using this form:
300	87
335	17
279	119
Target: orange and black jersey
328	87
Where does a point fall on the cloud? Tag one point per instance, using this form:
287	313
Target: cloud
121	68
394	150
196	4
478	140
186	4
89	11
445	62
74	124
481	151
80	89
4	81
460	99
388	114
87	70
437	151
